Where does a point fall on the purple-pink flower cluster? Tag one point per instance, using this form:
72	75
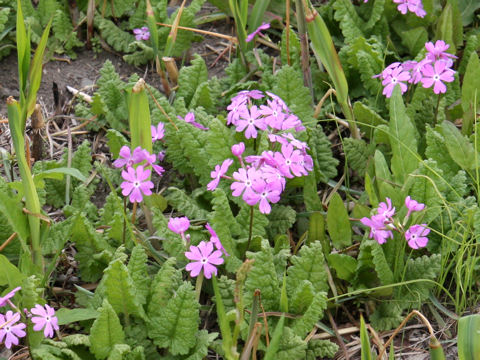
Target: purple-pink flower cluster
141	34
434	70
137	183
261	178
414	6
12	328
203	257
382	223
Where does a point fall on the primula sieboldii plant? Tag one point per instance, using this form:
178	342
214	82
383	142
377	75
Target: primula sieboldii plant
432	71
13	323
136	182
261	178
203	257
382	224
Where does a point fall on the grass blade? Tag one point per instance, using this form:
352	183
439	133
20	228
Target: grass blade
469	337
365	341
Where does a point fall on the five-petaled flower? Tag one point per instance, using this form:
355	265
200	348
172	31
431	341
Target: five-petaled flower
45	319
136	183
10	330
142	34
203	257
416	235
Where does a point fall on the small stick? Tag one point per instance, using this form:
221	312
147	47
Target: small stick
205	32
338	336
10	238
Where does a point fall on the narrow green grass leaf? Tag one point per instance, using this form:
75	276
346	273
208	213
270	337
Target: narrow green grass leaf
469	337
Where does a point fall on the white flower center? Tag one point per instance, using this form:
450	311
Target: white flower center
274	113
436	77
7	328
47	318
288	162
264	194
413	237
204	260
394	80
248	183
136	183
250	121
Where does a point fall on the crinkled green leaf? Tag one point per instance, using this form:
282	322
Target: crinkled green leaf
280	219
437	150
291	346
137	268
459	147
309	265
314	313
260	221
338	223
90	246
121	291
344	265
190	77
325	165
176	325
289	86
321	349
302	297
387	315
163	286
106	332
263	276
403	139
179	200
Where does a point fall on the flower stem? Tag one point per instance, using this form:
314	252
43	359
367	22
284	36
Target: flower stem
134	212
198	286
436	110
250	230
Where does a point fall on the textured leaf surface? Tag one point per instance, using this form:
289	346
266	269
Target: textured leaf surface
314	313
120	290
338	223
291	346
280	220
106	332
263	276
459	147
137	268
309	265
402	136
176	325
190	77
325	164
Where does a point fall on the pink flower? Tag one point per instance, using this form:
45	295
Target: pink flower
386	210
377	229
397	76
416	70
289	161
414	6
236	108
179	225
5	299
244	179
279	101
439	52
264	26
413	205
266	194
142	33
127	158
387	71
251	120
45	319
11	331
273	177
215	239
434	75
136	183
203	257
274	115
238	149
190	118
218	173
416	236
151	159
158	132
